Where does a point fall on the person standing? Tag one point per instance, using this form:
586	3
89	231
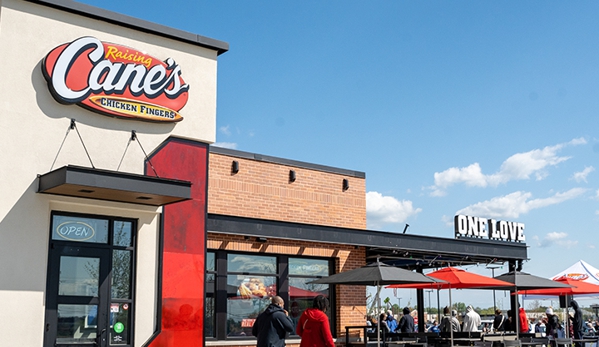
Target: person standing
272	325
391	321
449	323
577	322
471	320
524	328
552	326
499	321
406	322
313	326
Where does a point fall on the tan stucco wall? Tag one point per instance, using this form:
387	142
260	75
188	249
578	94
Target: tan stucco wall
32	128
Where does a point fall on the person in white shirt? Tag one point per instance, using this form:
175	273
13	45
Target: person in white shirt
471	320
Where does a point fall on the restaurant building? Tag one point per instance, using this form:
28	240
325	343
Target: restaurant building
120	224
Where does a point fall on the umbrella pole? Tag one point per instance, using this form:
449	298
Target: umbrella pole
438	307
517	314
450	319
378	321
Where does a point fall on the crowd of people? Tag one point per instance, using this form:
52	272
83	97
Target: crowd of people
549	325
274	323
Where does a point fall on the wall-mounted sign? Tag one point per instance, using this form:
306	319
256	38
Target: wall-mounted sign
115	80
468	226
75	231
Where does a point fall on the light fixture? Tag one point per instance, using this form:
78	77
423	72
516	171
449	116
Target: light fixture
235	167
406	228
345	184
261	239
291	176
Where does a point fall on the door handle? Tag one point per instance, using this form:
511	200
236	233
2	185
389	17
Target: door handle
101	338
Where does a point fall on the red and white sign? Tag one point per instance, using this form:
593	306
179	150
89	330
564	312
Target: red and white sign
115	80
247	322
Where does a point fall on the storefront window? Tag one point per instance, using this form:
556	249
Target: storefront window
210	285
251	281
248	293
301	292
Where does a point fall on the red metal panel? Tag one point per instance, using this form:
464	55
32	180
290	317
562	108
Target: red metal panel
184	245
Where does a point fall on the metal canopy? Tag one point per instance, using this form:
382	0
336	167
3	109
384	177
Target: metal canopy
403	250
108	185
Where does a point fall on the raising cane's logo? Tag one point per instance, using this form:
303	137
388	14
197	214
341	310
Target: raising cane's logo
115	80
577	276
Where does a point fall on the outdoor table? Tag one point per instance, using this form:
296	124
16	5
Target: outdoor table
364	332
591	339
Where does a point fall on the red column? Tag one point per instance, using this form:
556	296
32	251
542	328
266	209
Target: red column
181	280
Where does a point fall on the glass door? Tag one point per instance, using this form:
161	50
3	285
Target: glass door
78	296
89	300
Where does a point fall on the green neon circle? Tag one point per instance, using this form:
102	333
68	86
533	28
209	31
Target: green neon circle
119	327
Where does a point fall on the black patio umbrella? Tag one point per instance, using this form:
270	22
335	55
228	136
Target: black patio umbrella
526	281
376	274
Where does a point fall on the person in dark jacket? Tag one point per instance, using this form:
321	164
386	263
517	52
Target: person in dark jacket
499	321
272	325
552	326
577	322
406	323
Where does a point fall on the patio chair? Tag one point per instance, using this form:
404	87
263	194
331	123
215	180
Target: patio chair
414	341
512	343
562	342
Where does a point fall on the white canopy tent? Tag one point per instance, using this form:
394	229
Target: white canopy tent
581	271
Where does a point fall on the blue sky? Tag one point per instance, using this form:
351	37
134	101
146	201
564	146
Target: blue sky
485	108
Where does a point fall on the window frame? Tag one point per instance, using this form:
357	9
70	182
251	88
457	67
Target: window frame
282	281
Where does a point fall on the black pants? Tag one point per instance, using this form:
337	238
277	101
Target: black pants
578	336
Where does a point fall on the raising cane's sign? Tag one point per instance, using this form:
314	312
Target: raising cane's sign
115	80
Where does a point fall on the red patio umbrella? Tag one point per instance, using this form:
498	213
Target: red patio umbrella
455	278
578	287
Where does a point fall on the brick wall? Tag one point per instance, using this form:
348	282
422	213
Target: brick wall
350	300
262	190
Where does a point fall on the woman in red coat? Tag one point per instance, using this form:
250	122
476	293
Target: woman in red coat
313	325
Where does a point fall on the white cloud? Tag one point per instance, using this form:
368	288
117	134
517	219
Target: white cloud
514	204
555	239
225	130
582	175
382	210
229	145
520	166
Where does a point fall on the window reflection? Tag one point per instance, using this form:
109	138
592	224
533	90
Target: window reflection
123	233
247	296
121	274
251	264
79	276
76	323
302	294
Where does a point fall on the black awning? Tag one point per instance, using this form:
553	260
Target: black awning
404	250
113	186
